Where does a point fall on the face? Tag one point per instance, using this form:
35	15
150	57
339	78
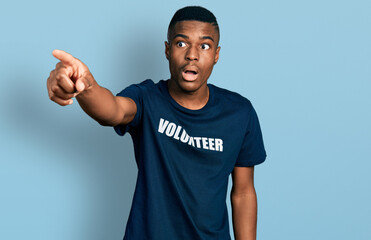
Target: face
192	52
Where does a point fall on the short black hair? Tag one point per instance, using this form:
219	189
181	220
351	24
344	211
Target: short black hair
195	13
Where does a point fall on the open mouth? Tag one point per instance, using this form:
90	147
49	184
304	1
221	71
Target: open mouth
189	75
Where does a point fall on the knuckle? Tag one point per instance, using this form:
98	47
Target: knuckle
58	76
60	65
54	88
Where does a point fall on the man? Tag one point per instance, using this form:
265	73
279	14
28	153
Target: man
188	137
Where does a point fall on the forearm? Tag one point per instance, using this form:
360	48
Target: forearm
244	215
100	104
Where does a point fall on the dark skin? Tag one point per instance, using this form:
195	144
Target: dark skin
192	52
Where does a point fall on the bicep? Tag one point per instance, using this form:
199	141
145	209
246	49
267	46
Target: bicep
243	180
127	109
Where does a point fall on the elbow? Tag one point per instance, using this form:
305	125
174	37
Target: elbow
107	123
112	121
241	196
247	193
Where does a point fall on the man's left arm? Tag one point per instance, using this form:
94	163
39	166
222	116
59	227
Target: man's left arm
244	203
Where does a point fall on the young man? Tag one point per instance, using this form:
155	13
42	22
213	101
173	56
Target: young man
188	137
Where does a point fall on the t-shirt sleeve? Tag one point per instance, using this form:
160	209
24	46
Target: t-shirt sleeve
252	150
135	92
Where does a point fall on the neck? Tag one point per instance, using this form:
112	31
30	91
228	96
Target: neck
194	100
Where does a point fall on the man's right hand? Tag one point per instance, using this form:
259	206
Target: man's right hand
69	78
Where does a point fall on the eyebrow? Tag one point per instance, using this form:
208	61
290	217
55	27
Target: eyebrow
180	35
186	37
207	37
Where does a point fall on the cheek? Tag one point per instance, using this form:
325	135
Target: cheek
209	57
176	63
209	62
173	67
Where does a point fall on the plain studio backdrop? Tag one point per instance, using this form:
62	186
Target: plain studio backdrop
305	66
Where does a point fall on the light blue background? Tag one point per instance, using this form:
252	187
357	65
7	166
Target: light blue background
305	65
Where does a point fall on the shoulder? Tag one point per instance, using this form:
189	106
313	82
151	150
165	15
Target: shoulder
144	87
146	84
230	98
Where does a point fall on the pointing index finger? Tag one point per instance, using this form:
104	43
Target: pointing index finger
63	56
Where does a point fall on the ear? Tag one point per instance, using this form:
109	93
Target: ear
167	50
216	55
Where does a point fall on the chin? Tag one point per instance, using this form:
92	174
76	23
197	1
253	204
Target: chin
189	86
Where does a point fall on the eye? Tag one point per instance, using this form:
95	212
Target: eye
181	44
205	46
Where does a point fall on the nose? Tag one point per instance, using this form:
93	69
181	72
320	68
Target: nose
192	54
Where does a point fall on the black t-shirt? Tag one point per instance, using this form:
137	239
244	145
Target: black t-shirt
184	160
